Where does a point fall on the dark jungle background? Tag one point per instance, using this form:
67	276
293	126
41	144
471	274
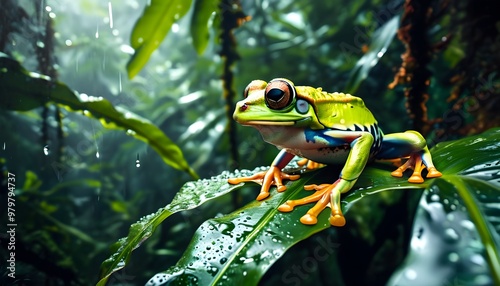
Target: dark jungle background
431	66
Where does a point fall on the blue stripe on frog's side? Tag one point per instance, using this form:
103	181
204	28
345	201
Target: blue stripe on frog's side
318	136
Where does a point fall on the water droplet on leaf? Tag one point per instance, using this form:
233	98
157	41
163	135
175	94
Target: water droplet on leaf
411	274
451	235
453	257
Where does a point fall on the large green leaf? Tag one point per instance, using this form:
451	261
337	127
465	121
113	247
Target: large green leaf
202	11
237	249
23	90
151	29
241	246
381	40
457	228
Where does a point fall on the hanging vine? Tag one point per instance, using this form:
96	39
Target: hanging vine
232	16
416	22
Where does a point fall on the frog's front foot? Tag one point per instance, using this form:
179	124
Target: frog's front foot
324	195
415	163
273	176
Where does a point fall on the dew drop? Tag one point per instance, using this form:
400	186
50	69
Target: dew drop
450	216
46	150
477	259
482	280
435	198
451	235
411	274
453	257
467	224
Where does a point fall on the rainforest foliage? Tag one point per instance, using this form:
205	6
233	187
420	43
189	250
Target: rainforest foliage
81	81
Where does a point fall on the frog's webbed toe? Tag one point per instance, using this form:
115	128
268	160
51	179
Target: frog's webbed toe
324	195
417	165
310	165
273	176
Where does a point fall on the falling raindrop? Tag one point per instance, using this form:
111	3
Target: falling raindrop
46	150
4	145
97	32
119	82
97	154
110	10
137	162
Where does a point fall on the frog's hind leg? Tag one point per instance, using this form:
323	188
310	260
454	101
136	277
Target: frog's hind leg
413	144
418	162
415	163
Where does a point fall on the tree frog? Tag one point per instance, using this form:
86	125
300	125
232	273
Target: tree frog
328	128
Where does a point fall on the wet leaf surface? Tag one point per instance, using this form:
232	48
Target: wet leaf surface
457	228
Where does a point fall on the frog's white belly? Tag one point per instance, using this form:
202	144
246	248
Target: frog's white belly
327	155
293	140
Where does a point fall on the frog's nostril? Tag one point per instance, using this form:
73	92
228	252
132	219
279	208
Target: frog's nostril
243	107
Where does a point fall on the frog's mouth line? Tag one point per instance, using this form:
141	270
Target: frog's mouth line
301	122
273	123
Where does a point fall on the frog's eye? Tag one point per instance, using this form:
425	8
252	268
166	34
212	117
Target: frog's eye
279	94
